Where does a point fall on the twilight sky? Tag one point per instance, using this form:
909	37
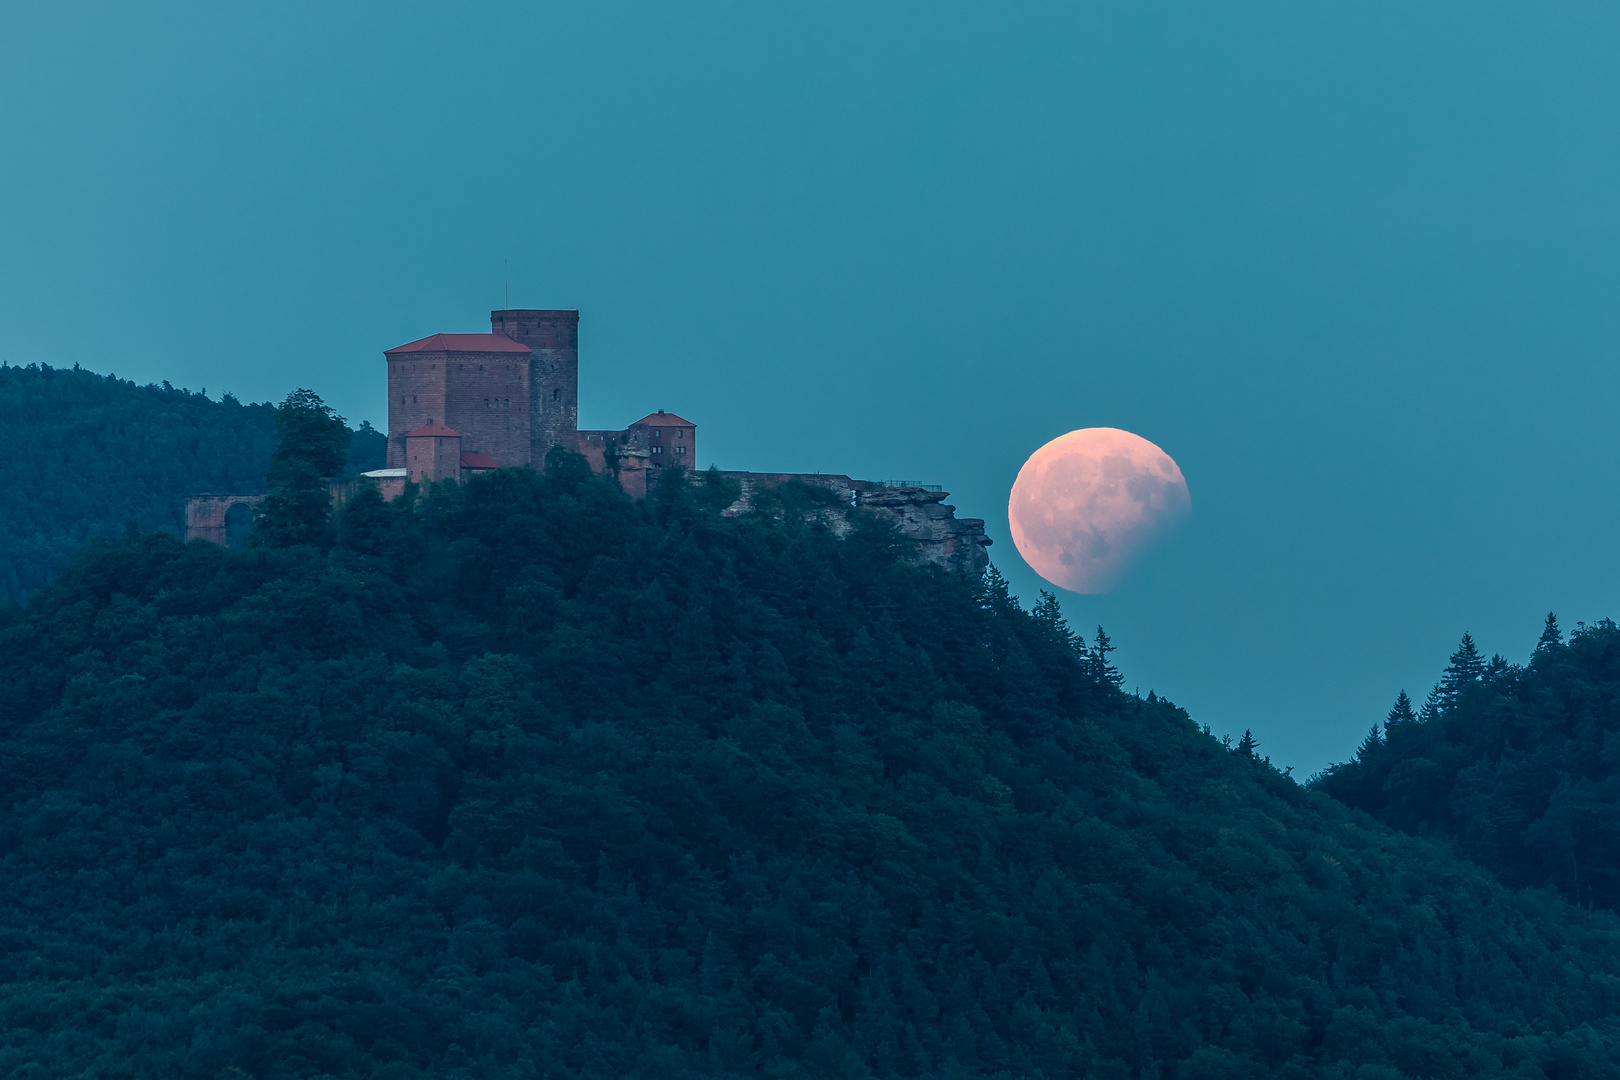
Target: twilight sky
1354	267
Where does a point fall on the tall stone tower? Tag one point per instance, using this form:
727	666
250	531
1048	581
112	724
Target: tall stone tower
553	338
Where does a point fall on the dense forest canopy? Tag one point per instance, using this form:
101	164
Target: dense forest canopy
1517	767
521	778
92	455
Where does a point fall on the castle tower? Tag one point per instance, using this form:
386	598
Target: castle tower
553	339
433	453
477	384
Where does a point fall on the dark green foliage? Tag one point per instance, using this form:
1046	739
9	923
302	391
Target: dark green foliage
94	454
91	455
720	491
368	449
1518	767
309	435
523	779
312	447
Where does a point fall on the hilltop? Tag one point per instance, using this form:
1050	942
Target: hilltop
521	777
1517	767
93	455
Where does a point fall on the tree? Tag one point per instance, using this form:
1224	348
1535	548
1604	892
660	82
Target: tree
1105	671
1551	637
298	507
1400	712
366	523
1371	743
1247	745
1048	614
310	433
1466	669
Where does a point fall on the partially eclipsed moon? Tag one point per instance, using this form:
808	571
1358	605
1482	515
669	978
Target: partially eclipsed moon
1087	503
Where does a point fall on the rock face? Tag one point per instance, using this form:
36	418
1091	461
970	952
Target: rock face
921	514
929	522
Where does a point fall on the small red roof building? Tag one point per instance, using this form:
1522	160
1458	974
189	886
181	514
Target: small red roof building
434	430
479	461
663	419
473	343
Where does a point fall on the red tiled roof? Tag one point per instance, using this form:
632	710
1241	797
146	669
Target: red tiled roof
434	430
461	343
664	419
479	461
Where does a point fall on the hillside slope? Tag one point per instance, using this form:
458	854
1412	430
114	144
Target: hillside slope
523	779
1517	767
94	454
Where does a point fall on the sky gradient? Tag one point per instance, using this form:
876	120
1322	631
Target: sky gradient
1354	267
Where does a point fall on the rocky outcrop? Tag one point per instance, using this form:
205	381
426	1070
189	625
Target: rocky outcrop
920	514
928	521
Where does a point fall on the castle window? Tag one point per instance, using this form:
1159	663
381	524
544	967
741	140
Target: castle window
658	432
508	404
680	433
486	403
556	394
658	449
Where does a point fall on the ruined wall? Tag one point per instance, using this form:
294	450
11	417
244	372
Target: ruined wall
221	519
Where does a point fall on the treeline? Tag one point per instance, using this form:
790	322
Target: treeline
1516	766
521	778
91	455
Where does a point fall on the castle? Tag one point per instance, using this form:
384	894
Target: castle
462	404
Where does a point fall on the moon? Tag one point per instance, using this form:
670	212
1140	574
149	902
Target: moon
1086	504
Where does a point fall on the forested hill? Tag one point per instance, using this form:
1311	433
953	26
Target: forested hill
523	779
1517	767
92	454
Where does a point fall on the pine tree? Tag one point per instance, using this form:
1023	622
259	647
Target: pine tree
1400	712
1372	742
1105	670
1551	637
1247	745
1433	705
993	594
1048	615
1466	668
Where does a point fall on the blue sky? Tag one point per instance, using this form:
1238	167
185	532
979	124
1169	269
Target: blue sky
1353	266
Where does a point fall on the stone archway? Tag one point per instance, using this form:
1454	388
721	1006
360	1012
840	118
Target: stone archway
221	519
238	524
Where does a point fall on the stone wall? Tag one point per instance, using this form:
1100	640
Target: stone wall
553	338
483	395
